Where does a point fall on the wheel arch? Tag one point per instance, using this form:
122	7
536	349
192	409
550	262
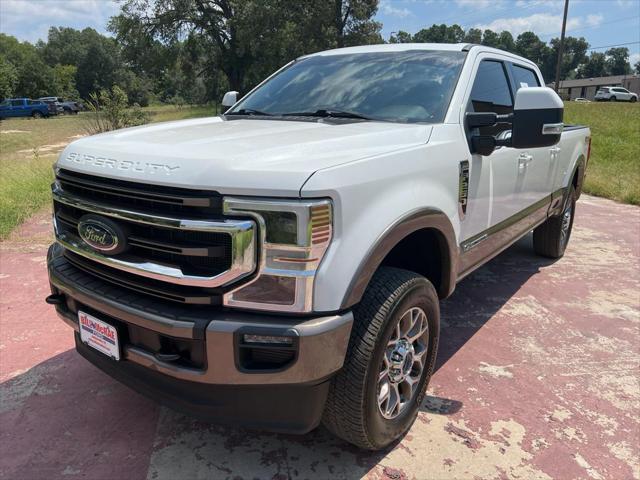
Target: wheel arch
577	176
428	228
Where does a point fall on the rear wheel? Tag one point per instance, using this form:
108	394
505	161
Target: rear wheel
613	99
37	114
552	237
374	399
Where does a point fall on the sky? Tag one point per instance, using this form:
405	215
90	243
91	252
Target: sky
601	22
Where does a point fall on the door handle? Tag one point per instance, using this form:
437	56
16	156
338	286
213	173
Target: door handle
524	159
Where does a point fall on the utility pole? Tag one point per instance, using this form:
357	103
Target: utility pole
561	46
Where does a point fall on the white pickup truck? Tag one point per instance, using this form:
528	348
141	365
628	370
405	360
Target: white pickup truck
281	265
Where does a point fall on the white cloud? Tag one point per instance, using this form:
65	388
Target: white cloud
540	3
30	20
540	23
627	3
388	9
594	20
475	3
634	58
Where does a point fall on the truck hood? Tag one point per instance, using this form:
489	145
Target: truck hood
240	156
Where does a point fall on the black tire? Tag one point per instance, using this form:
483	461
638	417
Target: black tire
352	412
37	114
613	99
550	239
633	99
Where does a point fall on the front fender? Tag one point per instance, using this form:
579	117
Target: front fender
378	202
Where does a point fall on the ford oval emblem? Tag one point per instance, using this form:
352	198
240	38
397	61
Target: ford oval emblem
102	234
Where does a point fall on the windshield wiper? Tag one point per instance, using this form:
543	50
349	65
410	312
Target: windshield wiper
249	111
324	113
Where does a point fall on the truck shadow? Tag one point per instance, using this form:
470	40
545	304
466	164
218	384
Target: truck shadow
482	294
64	415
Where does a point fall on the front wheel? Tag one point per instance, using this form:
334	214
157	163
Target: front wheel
552	237
633	99
374	399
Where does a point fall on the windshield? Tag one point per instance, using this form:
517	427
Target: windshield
410	86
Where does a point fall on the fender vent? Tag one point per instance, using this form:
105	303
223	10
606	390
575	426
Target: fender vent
463	187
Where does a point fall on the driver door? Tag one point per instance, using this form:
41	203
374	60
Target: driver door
491	92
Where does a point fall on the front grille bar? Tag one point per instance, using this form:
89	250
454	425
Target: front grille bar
242	233
210	251
79	181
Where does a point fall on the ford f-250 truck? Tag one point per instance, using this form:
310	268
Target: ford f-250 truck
281	265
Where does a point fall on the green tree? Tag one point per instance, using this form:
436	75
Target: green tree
618	61
33	75
99	68
594	66
8	78
473	35
246	38
490	39
64	81
528	45
353	22
506	42
401	37
440	34
67	46
574	54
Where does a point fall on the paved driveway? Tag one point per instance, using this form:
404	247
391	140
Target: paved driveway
538	377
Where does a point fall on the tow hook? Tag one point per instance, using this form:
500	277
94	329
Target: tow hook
167	357
55	299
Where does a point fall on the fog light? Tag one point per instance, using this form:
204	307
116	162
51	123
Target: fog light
269	339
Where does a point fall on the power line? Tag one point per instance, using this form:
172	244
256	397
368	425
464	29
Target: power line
591	27
616	45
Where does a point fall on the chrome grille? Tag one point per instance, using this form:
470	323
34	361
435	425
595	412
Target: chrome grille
196	249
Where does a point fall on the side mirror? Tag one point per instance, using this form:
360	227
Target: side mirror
536	122
229	99
537	118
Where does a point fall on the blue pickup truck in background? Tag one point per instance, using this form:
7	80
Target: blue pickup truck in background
23	107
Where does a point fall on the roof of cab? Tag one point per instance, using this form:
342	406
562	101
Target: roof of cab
403	47
393	47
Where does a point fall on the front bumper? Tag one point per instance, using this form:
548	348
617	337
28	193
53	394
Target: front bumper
216	385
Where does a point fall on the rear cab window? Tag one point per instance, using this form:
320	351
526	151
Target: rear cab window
524	77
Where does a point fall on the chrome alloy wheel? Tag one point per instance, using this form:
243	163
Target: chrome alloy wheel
566	224
403	363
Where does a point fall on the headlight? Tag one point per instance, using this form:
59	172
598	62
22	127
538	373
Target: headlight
294	237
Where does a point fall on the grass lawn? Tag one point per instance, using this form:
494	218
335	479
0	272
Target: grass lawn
28	149
614	168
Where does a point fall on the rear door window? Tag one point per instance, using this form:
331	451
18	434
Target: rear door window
524	77
17	103
491	93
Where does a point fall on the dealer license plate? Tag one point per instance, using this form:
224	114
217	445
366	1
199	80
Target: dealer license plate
99	335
